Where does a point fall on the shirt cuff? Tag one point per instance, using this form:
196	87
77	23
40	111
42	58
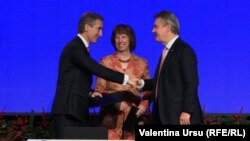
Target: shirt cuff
126	78
142	84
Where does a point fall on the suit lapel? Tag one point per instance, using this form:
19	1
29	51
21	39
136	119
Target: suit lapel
78	39
171	52
167	59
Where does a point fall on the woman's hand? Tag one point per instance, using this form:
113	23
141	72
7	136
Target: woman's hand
96	94
141	110
123	106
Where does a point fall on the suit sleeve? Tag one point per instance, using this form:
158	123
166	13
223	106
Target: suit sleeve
82	59
146	95
189	73
148	86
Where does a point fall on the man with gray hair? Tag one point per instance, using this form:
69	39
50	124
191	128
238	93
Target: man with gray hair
175	84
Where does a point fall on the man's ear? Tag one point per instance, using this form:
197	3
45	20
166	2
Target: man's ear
168	27
86	27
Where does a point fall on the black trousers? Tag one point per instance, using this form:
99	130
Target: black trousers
155	114
63	121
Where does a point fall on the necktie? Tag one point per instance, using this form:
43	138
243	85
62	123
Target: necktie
163	56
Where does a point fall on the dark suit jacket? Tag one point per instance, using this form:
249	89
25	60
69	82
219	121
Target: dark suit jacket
177	85
74	82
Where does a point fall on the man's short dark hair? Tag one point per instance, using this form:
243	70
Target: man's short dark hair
89	19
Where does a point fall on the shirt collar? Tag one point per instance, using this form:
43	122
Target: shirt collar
171	42
83	40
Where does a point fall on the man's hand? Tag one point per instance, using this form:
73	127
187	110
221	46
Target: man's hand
185	118
133	82
140	84
95	94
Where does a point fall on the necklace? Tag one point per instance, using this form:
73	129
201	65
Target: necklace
125	61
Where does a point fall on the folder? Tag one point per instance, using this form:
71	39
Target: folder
113	98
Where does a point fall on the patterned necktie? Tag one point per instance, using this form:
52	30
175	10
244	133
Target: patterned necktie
163	56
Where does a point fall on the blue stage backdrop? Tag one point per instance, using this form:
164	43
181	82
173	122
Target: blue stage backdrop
33	33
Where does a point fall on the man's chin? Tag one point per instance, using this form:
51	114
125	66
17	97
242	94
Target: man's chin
94	41
157	40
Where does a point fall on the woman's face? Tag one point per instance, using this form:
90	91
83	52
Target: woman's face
122	42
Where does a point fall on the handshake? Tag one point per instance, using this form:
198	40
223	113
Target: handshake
135	82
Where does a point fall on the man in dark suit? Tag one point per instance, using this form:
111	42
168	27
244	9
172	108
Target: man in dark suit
175	84
76	68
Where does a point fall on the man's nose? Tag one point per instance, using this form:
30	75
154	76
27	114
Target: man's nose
153	30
